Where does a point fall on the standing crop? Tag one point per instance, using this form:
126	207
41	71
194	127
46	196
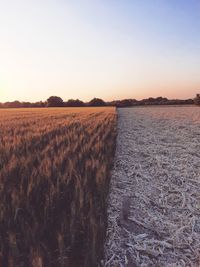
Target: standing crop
54	180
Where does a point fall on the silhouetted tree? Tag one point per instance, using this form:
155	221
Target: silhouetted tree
54	101
14	104
127	103
39	104
74	103
96	102
197	100
26	104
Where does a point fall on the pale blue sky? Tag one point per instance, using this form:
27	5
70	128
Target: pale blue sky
98	48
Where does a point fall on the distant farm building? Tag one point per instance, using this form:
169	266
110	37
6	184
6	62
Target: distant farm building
197	100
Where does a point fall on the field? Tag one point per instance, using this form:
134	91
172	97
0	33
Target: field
154	207
54	180
55	177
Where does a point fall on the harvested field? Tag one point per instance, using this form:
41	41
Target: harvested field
154	203
54	179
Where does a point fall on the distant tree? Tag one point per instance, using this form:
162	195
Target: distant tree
74	103
54	101
112	103
14	104
26	104
189	101
39	104
127	103
159	99
197	100
154	101
96	102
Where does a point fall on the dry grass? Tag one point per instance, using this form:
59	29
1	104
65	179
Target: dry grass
54	179
154	211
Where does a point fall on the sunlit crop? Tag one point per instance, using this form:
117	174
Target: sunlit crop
54	179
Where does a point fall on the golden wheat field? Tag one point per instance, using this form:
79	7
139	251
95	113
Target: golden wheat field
54	180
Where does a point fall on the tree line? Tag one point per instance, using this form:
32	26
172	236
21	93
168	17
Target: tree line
55	101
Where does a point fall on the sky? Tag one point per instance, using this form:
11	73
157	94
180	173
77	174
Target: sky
112	49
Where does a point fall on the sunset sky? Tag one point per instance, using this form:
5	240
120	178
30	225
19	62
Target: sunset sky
112	49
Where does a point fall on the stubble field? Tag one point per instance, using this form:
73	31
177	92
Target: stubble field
154	210
54	179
